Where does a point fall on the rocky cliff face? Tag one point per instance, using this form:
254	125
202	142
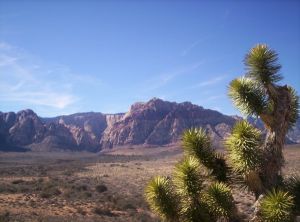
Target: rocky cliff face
159	122
20	129
155	122
81	131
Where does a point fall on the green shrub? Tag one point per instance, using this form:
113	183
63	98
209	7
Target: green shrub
277	206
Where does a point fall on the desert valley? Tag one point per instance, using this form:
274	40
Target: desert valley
94	166
149	111
81	186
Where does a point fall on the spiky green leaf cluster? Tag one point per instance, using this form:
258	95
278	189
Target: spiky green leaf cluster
219	200
276	206
248	96
190	180
262	65
292	184
189	177
294	109
161	197
197	143
243	147
192	211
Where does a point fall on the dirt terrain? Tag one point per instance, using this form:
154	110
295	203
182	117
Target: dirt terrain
86	187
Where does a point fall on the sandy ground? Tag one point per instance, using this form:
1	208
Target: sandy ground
65	186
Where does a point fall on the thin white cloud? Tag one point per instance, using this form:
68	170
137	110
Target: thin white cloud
6	60
52	99
66	75
215	97
4	45
187	50
164	78
209	82
27	80
211	99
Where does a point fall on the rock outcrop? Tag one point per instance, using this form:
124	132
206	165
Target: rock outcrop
155	122
81	131
159	122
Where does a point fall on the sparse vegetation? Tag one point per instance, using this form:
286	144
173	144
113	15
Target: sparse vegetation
101	188
201	188
79	197
103	211
94	191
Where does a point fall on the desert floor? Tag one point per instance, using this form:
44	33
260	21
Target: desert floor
94	187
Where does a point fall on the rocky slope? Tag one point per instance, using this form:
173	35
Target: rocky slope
155	122
81	131
159	122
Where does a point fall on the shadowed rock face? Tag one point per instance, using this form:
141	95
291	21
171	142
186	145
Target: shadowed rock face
21	128
155	122
81	131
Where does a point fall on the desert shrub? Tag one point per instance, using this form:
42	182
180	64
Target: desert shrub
49	190
7	188
17	181
5	216
40	180
103	211
129	206
101	188
49	193
88	194
81	187
125	203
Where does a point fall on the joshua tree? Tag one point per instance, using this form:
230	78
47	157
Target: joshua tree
201	186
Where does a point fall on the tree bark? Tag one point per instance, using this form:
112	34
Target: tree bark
274	143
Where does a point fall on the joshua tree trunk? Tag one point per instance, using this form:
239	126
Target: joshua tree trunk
277	129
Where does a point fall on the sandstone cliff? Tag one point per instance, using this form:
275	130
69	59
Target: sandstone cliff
159	122
155	122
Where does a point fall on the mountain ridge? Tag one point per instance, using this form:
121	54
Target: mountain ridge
156	122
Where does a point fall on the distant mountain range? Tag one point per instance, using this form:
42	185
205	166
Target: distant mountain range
155	122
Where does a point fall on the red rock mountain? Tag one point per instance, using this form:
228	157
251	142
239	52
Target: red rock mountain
159	122
155	122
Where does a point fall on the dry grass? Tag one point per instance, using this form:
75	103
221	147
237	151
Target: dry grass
92	187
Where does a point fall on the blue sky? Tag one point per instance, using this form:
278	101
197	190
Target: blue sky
61	57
